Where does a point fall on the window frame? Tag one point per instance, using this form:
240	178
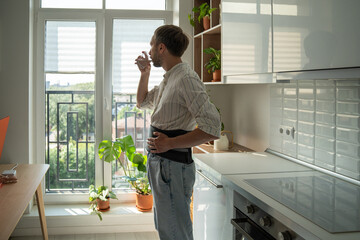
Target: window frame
103	82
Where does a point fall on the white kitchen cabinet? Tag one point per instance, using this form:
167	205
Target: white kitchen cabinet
246	40
313	35
210	214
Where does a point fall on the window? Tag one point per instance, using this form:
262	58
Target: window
109	4
87	83
130	37
83	4
140	4
70	107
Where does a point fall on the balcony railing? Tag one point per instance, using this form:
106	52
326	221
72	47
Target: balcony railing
70	136
70	128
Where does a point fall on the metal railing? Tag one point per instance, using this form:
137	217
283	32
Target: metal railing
70	135
135	123
69	131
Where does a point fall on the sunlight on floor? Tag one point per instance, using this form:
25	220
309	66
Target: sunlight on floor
108	236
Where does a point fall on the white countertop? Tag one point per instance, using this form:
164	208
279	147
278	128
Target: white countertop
248	162
236	168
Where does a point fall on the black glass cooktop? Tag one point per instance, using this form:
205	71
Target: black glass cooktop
329	202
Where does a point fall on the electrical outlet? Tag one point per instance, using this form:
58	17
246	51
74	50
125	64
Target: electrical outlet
287	132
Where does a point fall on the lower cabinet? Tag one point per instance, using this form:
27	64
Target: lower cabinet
211	220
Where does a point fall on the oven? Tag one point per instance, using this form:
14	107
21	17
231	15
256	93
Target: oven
245	228
252	222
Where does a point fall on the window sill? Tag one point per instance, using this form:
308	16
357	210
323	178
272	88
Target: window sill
76	219
83	198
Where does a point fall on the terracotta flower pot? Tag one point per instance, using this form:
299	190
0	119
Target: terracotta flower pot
217	76
144	203
103	205
206	22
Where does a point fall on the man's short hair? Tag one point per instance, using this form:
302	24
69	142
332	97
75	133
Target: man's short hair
173	37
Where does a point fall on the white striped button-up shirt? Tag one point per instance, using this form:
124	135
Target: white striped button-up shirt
181	102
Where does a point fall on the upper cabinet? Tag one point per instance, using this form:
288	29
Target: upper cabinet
316	35
264	41
246	37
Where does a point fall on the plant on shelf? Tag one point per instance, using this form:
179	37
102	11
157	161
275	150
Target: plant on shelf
100	199
204	11
133	166
214	64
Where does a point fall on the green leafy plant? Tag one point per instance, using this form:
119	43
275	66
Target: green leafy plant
134	167
203	10
215	62
102	193
222	124
218	109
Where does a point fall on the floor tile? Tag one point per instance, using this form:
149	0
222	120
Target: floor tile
64	237
105	236
125	236
85	237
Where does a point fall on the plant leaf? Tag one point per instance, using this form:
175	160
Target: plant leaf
108	151
127	145
211	10
142	168
112	195
138	158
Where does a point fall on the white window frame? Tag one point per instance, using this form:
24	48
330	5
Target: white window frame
103	86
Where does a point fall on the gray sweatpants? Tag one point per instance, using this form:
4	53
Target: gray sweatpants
171	185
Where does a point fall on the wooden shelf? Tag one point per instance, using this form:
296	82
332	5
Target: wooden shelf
206	38
213	30
213	83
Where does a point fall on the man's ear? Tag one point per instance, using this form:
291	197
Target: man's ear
162	47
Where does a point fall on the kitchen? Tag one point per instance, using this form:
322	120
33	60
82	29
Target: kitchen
302	118
316	98
306	183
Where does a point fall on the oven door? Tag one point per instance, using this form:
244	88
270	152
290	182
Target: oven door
246	229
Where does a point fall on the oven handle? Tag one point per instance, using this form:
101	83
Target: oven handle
208	179
235	222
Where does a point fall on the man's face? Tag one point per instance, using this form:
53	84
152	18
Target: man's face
154	53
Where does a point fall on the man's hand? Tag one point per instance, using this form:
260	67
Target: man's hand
143	63
161	143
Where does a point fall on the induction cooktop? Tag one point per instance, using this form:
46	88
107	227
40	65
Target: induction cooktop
331	203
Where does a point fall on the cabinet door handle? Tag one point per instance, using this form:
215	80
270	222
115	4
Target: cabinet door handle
208	179
252	227
235	223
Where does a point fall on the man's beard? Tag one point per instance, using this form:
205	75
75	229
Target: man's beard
156	63
156	60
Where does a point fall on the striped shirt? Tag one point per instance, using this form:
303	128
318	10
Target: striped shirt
181	102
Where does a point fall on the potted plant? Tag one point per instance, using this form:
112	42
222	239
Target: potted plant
134	167
100	199
204	11
214	64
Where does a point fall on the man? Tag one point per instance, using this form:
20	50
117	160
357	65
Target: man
180	103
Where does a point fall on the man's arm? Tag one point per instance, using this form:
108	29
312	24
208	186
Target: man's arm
142	90
163	143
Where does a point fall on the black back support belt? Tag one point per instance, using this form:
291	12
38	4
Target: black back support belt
182	155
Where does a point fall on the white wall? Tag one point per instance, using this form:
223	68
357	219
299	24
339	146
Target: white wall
245	112
181	11
326	117
14	78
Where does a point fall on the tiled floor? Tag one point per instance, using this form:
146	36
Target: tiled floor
107	236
